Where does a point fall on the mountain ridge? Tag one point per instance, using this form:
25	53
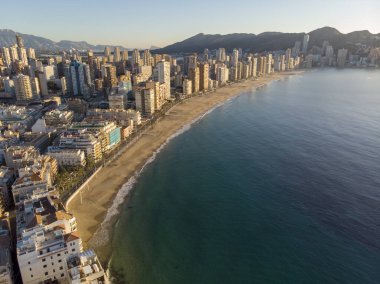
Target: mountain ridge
267	41
264	41
7	38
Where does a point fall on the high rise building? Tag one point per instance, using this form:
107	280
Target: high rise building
20	41
206	54
22	55
288	55
305	43
124	55
254	67
77	78
147	58
222	73
13	53
261	63
329	51
194	77
268	67
136	57
221	55
107	52
342	57
204	76
116	54
235	57
187	87
31	53
6	56
109	76
163	75
297	48
145	101
23	88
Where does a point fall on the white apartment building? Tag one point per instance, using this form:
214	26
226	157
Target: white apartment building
163	72
80	139
68	157
85	268
46	237
187	87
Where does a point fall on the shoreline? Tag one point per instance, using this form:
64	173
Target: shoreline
97	206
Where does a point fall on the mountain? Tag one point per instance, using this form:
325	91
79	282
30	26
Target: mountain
270	41
257	43
7	38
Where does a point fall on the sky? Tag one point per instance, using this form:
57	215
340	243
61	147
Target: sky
143	23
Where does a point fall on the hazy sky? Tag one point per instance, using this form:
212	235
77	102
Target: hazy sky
142	23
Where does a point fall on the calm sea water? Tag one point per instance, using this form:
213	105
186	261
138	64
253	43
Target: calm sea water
281	185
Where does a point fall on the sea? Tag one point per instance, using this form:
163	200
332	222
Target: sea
278	185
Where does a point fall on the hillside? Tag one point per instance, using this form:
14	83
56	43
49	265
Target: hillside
270	41
7	37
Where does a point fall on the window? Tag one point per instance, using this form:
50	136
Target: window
54	270
73	250
60	260
59	254
31	276
46	273
45	265
28	262
51	257
61	268
30	269
52	263
43	259
62	275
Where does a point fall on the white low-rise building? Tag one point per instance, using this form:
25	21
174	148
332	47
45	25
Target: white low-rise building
85	268
46	237
68	157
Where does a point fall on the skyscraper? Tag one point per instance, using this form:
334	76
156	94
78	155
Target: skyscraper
221	55
305	43
116	54
13	53
23	88
222	73
342	57
268	67
124	55
31	53
204	76
22	55
147	57
107	51
194	77
235	57
6	56
206	55
261	62
109	76
20	41
163	74
136	57
77	77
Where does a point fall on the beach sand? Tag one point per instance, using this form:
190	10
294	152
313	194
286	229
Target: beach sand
91	206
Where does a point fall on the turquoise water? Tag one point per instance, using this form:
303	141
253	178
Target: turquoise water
281	185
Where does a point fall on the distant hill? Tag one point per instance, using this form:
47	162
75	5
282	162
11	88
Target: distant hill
7	37
270	41
262	42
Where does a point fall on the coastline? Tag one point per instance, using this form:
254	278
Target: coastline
97	206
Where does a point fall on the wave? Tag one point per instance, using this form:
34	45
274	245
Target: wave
102	235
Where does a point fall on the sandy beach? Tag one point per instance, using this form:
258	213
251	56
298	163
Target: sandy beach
96	207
